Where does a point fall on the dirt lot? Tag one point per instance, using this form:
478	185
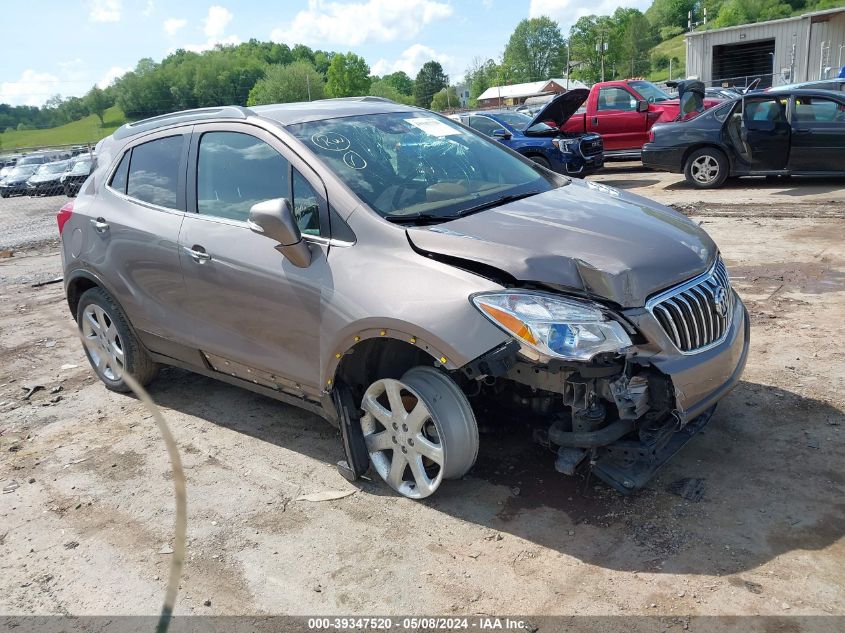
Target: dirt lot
88	524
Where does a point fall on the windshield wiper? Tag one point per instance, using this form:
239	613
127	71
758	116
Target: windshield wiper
495	203
418	218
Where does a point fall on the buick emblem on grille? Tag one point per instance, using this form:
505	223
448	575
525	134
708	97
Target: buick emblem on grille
720	302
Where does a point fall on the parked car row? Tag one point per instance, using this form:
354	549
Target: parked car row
36	174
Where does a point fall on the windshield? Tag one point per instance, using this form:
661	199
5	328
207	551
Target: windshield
24	170
51	168
649	91
414	163
32	160
81	167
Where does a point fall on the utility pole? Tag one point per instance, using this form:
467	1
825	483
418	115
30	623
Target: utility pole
568	60
308	85
670	69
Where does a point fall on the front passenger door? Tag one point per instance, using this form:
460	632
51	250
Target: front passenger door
255	314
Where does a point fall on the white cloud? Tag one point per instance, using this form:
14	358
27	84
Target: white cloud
111	74
149	9
567	12
173	25
33	88
411	60
104	11
353	23
216	21
215	24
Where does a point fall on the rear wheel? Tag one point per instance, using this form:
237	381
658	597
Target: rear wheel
706	168
110	344
419	430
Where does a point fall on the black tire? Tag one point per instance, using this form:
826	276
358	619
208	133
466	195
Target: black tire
707	168
136	361
540	160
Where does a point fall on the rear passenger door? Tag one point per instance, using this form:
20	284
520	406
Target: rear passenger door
256	315
132	235
818	134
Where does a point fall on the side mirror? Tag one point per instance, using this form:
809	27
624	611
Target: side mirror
642	105
274	219
501	134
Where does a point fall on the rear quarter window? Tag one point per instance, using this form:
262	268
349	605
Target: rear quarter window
154	172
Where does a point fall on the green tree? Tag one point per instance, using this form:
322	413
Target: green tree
96	102
480	76
429	81
401	82
671	12
534	51
382	88
285	84
348	76
445	99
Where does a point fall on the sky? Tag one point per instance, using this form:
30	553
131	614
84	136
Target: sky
64	47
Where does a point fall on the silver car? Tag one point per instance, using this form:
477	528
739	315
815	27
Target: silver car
401	276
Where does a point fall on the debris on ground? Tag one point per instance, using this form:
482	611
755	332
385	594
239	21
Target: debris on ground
31	389
11	486
165	549
325	495
689	488
38	284
71	544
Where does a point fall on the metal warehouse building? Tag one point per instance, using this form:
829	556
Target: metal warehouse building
801	48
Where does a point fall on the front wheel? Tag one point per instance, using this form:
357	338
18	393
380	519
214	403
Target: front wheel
110	344
418	431
540	160
707	168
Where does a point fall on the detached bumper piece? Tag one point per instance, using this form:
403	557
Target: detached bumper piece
627	465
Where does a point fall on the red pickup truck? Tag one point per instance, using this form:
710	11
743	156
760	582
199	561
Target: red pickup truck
623	113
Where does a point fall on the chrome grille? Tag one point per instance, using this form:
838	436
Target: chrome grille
696	315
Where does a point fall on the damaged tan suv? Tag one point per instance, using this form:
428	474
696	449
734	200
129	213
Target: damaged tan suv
401	275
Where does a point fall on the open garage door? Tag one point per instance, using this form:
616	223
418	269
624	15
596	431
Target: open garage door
740	64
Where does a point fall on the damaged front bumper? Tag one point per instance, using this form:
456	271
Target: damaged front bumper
625	417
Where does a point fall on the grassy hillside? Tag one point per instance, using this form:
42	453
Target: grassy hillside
81	131
675	47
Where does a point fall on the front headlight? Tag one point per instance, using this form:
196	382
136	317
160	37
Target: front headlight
553	326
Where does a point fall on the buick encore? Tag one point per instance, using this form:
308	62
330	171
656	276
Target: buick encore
402	276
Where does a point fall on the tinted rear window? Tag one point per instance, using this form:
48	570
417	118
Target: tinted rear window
118	180
154	172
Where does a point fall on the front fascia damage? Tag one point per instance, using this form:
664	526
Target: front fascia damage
618	413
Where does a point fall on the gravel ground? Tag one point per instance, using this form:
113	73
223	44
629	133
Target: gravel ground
28	221
86	526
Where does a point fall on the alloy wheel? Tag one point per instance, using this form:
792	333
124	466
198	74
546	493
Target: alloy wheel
103	342
705	169
402	438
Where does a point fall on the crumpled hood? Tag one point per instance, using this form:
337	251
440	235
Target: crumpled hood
584	236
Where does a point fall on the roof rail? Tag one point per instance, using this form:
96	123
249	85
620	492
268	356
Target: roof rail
185	116
364	98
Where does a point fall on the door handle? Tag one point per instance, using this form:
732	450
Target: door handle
595	121
100	225
197	253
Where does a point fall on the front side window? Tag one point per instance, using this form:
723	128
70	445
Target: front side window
407	163
154	172
236	171
616	99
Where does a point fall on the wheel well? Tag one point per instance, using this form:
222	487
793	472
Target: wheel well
76	288
699	146
373	359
